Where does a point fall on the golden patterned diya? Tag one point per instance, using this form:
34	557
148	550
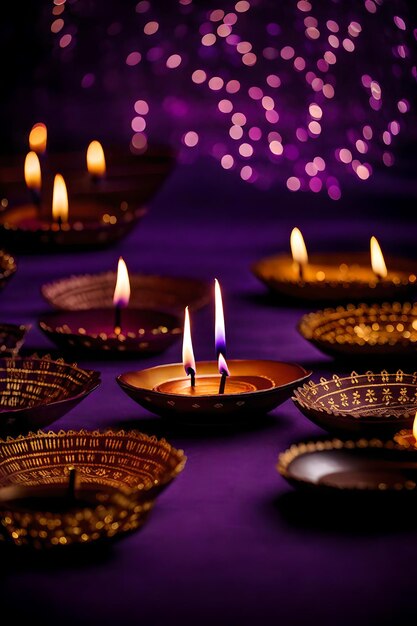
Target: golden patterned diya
332	466
35	391
70	203
75	487
212	391
336	276
7	267
12	337
95	291
371	330
371	403
119	330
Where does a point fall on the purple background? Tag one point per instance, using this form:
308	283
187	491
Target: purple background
229	542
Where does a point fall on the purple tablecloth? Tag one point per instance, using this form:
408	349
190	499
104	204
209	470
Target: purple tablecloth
229	542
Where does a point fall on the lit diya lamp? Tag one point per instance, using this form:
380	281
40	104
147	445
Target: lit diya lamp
212	390
408	438
333	275
122	329
106	194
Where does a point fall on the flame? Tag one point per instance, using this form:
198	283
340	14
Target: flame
60	199
223	369
33	177
121	295
415	427
220	332
377	259
298	247
187	345
38	137
96	163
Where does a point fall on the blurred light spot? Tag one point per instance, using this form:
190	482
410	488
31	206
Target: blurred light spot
320	163
345	155
299	64
190	139
403	106
314	128
301	134
333	41
249	58
330	57
233	86
209	39
388	159
217	15
287	52
245	150
332	26
348	45
246	172
143	7
375	90
361	146
268	103
225	106
255	133
334	192
354	29
310	168
276	147
386	138
198	77
138	124
65	41
236	132
255	93
328	91
242	6
310	21
223	30
230	19
272	116
270	53
273	80
141	107
315	111
304	5
293	183
315	184
239	119
227	161
367	132
173	61
139	142
370	6
151	28
394	127
398	21
133	58
244	46
362	172
312	32
57	25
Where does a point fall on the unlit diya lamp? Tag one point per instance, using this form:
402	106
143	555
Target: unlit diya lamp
212	390
335	276
74	200
59	489
119	330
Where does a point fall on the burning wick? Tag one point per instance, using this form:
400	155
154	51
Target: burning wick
187	350
224	371
33	177
299	252
96	162
220	336
377	260
121	295
60	201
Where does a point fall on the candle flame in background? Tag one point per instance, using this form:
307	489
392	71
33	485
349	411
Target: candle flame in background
223	368
38	138
33	176
415	427
96	162
377	259
121	295
187	345
60	199
298	247
220	332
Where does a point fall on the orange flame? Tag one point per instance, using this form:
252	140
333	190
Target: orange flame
187	345
121	295
415	427
33	176
377	259
298	247
38	138
219	330
60	200
96	162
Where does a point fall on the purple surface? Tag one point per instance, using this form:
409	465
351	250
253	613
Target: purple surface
229	542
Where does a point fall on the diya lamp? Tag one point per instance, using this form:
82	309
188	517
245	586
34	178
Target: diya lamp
334	276
103	204
212	391
407	438
58	489
122	330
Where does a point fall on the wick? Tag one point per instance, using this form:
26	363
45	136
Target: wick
191	374
222	382
59	222
71	483
300	271
117	320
